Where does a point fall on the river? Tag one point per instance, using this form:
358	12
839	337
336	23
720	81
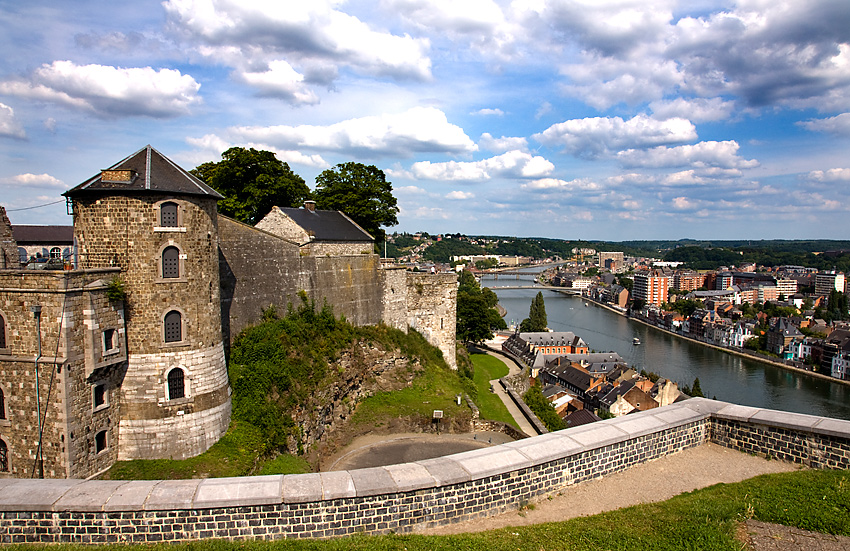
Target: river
723	376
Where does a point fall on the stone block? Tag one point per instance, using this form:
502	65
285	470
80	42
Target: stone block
547	447
491	461
88	496
130	496
833	427
337	485
411	476
735	412
675	415
445	471
235	492
34	494
795	421
703	405
302	488
640	424
595	435
373	481
172	494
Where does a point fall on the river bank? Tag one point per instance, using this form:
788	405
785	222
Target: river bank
727	350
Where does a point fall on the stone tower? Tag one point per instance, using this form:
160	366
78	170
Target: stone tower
158	224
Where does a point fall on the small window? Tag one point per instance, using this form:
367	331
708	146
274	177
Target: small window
176	388
171	262
2	404
100	441
2	332
99	395
173	326
110	340
56	252
168	215
4	457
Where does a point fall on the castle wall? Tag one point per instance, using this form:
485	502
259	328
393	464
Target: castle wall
74	314
394	299
348	283
432	310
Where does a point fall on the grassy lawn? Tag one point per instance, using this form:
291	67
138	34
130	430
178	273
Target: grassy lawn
489	405
704	519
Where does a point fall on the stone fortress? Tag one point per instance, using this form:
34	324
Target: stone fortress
93	371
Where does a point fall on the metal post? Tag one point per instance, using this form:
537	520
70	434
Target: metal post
36	310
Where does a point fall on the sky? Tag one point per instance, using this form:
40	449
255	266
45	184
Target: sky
574	119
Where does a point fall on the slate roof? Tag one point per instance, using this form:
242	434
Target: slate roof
327	225
581	417
152	172
52	235
546	338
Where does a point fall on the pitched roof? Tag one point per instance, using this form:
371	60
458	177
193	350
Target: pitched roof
145	171
54	235
327	225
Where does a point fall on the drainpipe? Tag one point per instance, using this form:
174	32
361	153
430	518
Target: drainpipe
39	459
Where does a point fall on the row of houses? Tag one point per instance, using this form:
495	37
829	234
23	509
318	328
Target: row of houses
576	380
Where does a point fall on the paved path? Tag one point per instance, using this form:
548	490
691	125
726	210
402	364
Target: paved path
515	412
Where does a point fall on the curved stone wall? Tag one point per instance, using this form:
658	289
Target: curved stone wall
406	497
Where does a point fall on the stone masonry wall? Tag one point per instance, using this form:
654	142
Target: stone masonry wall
394	297
74	313
395	498
432	310
9	257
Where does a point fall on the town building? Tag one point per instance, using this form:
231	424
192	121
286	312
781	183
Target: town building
826	282
651	287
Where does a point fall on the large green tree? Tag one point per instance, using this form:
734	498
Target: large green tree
477	316
360	191
252	182
536	320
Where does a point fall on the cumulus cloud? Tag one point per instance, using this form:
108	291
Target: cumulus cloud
839	125
547	184
592	137
694	109
309	34
831	175
33	181
503	144
460	195
722	155
513	164
210	147
9	125
421	129
109	91
279	79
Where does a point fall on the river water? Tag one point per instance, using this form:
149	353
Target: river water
723	376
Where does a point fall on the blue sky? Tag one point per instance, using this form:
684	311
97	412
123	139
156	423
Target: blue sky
588	119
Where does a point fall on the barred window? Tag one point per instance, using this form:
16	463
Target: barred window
168	215
171	262
173	326
176	389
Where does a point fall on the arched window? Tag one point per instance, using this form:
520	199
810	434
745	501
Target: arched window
2	331
171	262
4	457
168	215
173	326
176	389
56	252
2	404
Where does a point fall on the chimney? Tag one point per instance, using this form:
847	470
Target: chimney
310	205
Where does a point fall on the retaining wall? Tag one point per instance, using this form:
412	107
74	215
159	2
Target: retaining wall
406	497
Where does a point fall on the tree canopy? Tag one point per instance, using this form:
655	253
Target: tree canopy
362	192
477	316
252	182
536	320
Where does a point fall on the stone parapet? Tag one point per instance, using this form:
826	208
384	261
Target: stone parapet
406	497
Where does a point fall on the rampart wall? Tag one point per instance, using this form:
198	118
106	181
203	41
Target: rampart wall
406	497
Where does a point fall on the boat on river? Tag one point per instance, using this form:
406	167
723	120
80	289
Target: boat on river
635	341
